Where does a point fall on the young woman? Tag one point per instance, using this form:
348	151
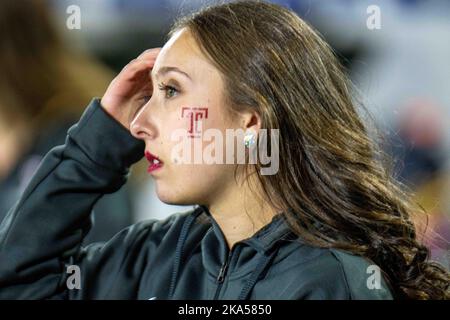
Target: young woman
328	223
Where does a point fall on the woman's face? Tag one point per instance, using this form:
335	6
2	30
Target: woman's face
187	93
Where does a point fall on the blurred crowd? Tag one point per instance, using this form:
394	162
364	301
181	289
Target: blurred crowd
49	73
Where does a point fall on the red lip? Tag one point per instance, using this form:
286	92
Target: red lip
151	158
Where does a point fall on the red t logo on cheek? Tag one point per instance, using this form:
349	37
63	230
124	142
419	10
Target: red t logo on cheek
194	114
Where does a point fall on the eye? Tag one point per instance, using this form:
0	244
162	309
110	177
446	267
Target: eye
170	90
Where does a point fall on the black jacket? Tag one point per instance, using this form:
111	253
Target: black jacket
182	257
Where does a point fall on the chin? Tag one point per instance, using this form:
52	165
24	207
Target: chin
169	196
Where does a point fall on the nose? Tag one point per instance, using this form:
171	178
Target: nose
142	127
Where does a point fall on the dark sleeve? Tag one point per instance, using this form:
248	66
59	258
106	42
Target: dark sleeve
42	234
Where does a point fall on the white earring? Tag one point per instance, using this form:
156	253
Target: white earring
249	138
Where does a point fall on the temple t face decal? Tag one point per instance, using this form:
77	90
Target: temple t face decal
194	114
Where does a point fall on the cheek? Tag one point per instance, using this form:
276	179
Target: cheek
192	119
193	183
195	117
184	180
188	122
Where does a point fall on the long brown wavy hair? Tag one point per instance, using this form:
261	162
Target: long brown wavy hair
332	175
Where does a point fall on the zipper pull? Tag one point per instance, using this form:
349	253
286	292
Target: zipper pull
222	272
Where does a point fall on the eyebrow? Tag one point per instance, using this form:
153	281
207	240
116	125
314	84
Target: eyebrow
166	69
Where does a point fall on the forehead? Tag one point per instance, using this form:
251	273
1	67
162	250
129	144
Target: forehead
182	51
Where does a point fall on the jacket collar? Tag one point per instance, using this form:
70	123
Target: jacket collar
215	249
264	240
254	262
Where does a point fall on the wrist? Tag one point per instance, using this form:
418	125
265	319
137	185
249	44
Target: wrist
116	113
105	140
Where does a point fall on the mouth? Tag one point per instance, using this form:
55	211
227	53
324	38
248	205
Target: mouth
155	162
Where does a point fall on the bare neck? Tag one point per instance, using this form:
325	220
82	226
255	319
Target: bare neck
240	214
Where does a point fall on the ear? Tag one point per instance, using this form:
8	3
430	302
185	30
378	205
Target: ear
250	120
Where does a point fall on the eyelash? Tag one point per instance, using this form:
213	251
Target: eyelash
162	86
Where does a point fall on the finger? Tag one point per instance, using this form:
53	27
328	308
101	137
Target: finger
152	51
149	54
137	67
